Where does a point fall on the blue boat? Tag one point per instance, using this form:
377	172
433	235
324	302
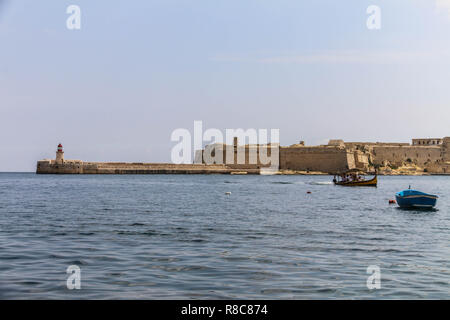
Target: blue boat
415	199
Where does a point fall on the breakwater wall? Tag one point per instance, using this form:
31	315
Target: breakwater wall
80	167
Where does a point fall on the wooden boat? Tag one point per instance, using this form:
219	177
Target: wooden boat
356	183
415	199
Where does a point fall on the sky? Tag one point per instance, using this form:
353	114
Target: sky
137	70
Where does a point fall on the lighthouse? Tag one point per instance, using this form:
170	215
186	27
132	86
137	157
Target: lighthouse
59	154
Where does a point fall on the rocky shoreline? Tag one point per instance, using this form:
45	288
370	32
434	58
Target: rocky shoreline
405	170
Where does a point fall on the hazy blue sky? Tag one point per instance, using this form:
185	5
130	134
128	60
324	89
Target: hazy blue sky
137	70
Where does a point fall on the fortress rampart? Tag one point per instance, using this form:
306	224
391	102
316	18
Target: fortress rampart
327	159
414	154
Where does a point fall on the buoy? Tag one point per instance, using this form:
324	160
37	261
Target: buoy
228	193
391	201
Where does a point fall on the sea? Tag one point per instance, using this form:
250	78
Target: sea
220	237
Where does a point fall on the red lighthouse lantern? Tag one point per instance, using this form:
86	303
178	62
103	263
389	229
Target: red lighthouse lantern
60	148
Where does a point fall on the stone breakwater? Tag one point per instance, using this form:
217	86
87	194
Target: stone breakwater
80	167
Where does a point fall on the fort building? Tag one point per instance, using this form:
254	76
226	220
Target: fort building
426	142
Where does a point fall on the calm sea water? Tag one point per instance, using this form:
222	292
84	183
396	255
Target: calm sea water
180	236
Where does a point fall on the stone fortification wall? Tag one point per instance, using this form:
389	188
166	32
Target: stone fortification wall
252	159
439	168
445	151
361	159
240	157
323	159
398	155
373	144
327	159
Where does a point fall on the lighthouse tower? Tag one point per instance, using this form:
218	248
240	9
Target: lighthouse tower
60	154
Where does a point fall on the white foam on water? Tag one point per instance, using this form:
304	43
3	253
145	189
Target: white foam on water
321	183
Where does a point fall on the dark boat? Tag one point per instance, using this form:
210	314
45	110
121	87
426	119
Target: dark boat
415	199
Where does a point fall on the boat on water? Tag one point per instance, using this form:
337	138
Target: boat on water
354	178
415	199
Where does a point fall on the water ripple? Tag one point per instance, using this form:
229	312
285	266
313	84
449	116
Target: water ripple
166	237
